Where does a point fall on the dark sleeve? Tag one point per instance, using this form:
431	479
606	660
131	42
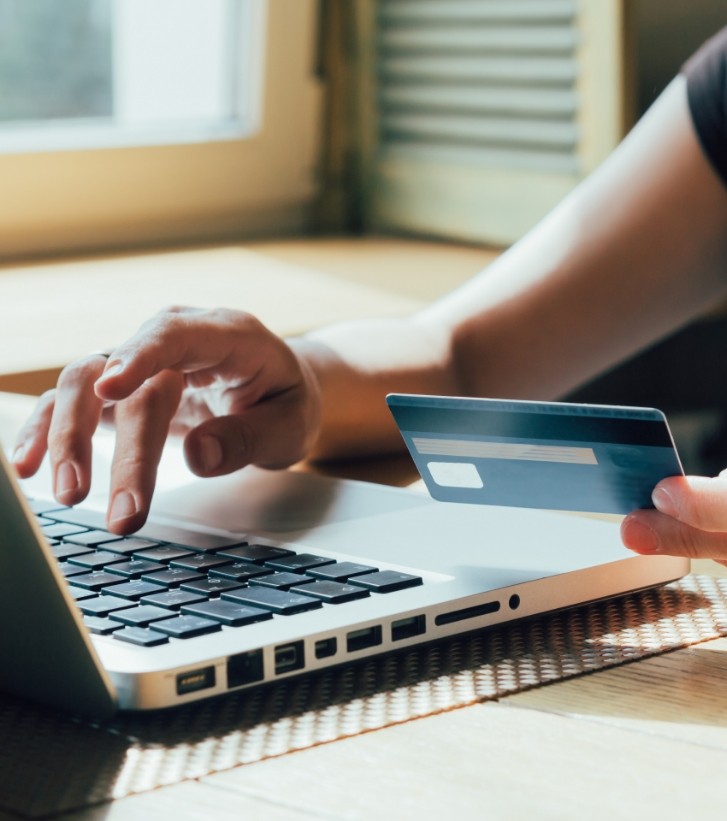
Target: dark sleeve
706	74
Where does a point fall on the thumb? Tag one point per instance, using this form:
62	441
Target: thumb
271	434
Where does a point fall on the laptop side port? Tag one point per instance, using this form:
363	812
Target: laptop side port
325	648
245	668
289	657
194	680
467	613
363	638
408	628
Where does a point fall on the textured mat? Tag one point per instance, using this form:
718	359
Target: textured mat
50	763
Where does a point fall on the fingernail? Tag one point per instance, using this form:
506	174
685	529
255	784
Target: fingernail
210	453
123	506
663	501
66	479
639	537
111	370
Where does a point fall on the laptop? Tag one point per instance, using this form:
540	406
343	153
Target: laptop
262	575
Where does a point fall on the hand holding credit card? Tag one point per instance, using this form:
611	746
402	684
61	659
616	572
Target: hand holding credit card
550	455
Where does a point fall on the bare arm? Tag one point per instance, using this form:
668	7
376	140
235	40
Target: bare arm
637	249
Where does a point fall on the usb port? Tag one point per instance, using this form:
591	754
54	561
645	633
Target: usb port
361	639
289	657
408	628
195	680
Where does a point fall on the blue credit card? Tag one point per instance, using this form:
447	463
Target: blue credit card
552	455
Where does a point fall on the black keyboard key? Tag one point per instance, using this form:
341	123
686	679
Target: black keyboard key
173	599
299	562
281	581
130	545
255	553
211	586
92	538
96	559
69	570
278	601
100	625
172	576
59	530
79	593
239	571
96	580
340	571
201	561
134	589
102	605
65	551
227	612
143	615
163	553
193	540
134	568
187	627
143	636
333	592
386	581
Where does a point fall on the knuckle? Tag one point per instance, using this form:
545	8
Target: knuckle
79	373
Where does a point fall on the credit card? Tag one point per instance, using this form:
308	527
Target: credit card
550	455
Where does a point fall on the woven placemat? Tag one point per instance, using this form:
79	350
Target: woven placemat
50	763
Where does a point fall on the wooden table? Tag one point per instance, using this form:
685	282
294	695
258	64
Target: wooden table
646	740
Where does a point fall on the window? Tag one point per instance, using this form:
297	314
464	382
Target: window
115	72
128	121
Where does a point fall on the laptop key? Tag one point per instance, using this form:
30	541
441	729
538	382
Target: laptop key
102	605
59	530
92	538
278	601
162	553
281	580
172	576
65	551
173	599
69	570
211	586
130	545
340	571
187	627
386	581
201	561
333	592
135	589
96	580
239	571
134	568
79	593
39	506
299	562
96	559
100	625
142	615
255	553
227	612
143	636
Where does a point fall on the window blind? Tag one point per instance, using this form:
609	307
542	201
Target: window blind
490	111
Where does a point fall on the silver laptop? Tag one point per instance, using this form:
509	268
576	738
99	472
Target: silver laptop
258	576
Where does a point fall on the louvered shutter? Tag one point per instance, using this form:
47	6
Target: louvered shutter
490	111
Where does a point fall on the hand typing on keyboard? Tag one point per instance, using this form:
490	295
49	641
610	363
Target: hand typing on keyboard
236	392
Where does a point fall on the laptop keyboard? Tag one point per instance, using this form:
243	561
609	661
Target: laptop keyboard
164	583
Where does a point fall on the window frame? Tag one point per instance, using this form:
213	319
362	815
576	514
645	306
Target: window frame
191	192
